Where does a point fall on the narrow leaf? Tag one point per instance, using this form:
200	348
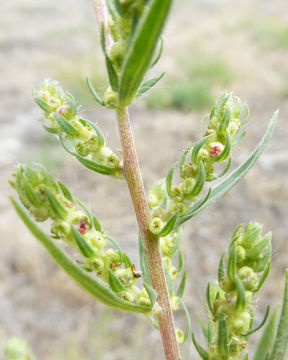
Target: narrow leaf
168	226
241	297
187	332
180	261
142	48
114	282
65	191
113	78
64	124
203	353
87	282
200	180
261	324
92	165
85	249
227	149
281	340
224	123
235	176
208	298
265	344
158	56
94	93
221	268
169	180
197	147
97	224
232	263
264	276
181	287
117	246
169	282
57	208
238	140
147	85
126	260
100	136
151	292
223	339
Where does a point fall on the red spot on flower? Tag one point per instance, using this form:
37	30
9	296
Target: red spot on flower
62	110
83	226
215	150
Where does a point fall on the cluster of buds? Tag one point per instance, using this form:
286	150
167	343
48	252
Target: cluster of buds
82	138
74	224
215	146
123	17
230	301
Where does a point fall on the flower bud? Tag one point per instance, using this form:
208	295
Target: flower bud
215	149
241	322
111	99
156	225
180	336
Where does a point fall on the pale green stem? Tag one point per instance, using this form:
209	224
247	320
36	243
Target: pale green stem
151	242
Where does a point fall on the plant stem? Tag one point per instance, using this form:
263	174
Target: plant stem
151	242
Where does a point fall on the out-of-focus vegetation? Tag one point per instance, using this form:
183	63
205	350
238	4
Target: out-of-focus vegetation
195	88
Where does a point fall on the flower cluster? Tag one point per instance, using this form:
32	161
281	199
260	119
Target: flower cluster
74	224
230	301
82	137
215	146
16	349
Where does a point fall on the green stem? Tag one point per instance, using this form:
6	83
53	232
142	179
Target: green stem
151	242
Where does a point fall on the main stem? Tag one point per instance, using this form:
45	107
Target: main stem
151	242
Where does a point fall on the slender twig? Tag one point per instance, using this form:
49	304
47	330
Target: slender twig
150	241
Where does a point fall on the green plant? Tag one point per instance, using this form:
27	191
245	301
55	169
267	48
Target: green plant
131	44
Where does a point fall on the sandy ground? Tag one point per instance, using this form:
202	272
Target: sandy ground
37	301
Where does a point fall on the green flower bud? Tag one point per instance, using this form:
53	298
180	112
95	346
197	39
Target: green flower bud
82	148
117	54
180	336
241	322
106	156
111	99
173	273
143	301
40	214
61	229
248	277
251	234
187	185
96	239
181	207
156	225
226	284
241	254
189	170
174	300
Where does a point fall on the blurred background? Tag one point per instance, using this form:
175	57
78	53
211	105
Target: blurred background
210	45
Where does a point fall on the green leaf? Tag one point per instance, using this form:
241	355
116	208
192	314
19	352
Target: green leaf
223	126
180	261
234	177
42	104
50	129
203	353
197	147
65	191
142	48
252	331
200	180
85	249
223	339
30	193
151	292
113	78
224	171
97	224
221	268
100	136
169	180
102	39
58	209
65	125
227	149
281	340
126	260
143	263
67	144
94	93
92	165
264	276
158	56
147	85
211	335
169	226
114	282
187	332
232	263
265	344
241	297
152	320
208	298
182	285
257	249
87	282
